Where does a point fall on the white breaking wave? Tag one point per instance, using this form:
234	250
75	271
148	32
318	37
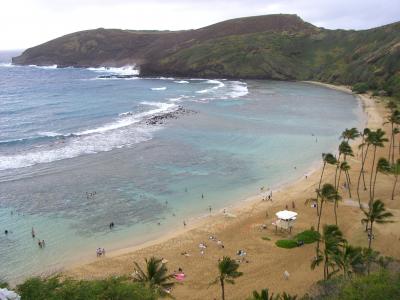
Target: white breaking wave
180	98
49	133
78	146
159	88
129	118
110	136
125	70
218	83
181	81
7	65
239	89
44	67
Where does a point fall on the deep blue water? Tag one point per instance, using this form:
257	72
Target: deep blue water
66	132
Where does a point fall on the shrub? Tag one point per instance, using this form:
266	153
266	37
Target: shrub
307	236
287	244
360	88
118	288
265	238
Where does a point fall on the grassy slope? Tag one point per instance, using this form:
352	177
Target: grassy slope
346	57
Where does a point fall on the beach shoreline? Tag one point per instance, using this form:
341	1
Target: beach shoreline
238	208
241	229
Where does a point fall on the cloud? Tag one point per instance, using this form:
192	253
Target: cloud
31	22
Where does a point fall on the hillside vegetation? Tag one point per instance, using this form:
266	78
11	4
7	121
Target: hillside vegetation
282	47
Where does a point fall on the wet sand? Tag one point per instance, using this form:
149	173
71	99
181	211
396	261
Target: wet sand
240	228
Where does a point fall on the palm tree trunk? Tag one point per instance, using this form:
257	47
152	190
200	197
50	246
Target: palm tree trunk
222	288
318	224
363	158
393	145
336	204
326	270
319	185
362	167
348	182
373	186
391	142
338	183
394	185
336	171
369	247
334	210
370	180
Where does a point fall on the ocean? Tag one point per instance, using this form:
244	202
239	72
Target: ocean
81	148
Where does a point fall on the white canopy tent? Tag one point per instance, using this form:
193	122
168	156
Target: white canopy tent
285	220
286	215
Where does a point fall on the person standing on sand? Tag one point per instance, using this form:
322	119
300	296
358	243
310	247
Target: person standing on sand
184	223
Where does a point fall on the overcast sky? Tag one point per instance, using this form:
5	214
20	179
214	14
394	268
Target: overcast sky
26	23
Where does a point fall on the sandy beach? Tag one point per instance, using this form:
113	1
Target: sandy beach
240	228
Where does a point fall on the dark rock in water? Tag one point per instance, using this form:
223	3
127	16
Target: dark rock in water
116	76
159	119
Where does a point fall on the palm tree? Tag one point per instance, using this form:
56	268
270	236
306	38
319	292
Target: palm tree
350	260
228	271
376	214
155	276
376	139
344	147
333	240
391	105
350	134
327	193
369	256
345	150
395	170
327	158
286	296
364	144
393	118
345	167
264	295
382	166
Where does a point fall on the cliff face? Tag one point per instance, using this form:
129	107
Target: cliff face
274	47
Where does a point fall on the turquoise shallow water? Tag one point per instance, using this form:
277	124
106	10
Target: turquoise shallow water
65	133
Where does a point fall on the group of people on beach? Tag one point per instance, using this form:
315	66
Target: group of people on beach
265	196
100	252
203	246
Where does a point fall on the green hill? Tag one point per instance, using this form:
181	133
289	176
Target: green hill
282	47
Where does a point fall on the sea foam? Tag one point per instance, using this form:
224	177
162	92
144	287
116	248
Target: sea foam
112	135
125	70
238	89
218	84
